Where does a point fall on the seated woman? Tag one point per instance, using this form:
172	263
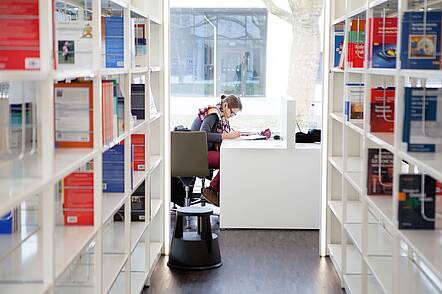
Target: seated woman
214	120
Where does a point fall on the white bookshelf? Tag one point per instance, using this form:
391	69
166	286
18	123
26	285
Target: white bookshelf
359	228
110	256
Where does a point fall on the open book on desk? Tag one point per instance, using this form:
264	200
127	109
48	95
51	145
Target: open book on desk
250	136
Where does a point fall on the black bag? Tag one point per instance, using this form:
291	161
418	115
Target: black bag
312	136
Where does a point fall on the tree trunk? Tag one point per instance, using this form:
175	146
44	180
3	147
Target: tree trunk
304	62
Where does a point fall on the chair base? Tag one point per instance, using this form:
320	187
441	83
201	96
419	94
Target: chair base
192	253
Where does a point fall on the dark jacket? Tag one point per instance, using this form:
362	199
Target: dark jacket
208	125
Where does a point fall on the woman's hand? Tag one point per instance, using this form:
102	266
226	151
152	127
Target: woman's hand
231	135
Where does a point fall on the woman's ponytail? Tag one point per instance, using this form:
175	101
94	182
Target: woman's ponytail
232	101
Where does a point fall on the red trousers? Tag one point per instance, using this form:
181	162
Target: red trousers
213	157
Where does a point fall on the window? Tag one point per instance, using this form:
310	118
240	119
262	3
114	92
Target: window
225	45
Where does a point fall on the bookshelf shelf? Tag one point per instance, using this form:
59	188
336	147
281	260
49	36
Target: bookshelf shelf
379	241
38	257
382	71
383	206
395	261
384	140
60	75
339	20
354	211
111	203
354	284
357	11
155	117
357	127
416	73
356	180
155	161
353	260
413	280
113	263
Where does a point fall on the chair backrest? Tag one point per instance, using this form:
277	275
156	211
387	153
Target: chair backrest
189	154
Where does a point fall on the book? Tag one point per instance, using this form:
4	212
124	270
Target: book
73	114
138	98
6	223
4	123
356	44
73	36
382	42
20	36
338	45
420	44
382	110
137	206
113	169
417	197
107	111
78	196
354	102
379	172
422	128
138	150
120	115
114	41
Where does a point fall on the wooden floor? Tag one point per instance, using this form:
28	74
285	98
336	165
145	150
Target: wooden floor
256	261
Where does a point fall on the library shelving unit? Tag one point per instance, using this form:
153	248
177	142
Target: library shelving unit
360	232
43	255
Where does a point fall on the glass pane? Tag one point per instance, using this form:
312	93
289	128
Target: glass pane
192	54
240	52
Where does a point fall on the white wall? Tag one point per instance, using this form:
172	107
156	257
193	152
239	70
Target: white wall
279	38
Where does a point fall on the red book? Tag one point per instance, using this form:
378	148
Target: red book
138	149
356	44
78	198
19	35
379	172
382	110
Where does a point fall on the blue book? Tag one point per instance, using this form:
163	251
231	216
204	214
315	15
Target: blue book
6	223
114	44
421	45
422	130
338	46
113	169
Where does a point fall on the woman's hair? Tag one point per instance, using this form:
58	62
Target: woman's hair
232	101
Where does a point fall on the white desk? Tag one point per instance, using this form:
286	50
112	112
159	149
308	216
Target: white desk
266	185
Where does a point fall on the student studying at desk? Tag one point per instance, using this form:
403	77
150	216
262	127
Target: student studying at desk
214	120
